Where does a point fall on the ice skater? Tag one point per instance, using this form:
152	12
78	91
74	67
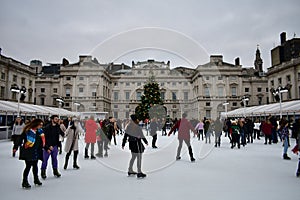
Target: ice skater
184	126
134	135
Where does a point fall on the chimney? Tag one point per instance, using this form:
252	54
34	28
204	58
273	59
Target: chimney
283	38
84	58
237	61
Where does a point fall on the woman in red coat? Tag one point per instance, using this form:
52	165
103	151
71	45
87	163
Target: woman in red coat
90	136
267	130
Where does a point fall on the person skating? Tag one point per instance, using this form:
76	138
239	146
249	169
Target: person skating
72	134
218	127
199	129
285	138
296	127
17	134
52	132
32	143
267	131
235	135
184	127
90	136
153	132
134	135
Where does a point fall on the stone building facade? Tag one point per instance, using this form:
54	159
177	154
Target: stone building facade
16	73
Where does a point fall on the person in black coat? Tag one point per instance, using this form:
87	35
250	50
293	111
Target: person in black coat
134	135
52	132
32	143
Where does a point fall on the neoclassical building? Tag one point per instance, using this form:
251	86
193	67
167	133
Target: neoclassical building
16	73
116	89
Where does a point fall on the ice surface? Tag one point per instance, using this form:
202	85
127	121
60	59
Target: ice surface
256	171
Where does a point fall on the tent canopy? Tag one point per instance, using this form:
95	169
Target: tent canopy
290	107
10	107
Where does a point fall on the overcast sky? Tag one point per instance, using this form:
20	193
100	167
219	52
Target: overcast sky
122	31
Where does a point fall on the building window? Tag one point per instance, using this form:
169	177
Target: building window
115	106
116	115
116	84
207	104
208	114
23	81
94	104
220	78
127	115
220	91
80	90
139	84
67	104
2	75
127	106
30	82
174	96
127	96
186	96
279	81
162	84
127	84
2	90
233	91
138	96
42	101
15	78
298	76
288	78
174	106
68	92
267	89
272	83
94	94
206	92
162	71
207	78
185	84
54	90
81	78
116	96
174	83
54	102
162	95
259	89
68	78
233	78
247	89
234	104
42	90
139	72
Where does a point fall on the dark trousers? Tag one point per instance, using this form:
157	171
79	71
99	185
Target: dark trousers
256	134
134	156
187	142
200	132
29	164
102	145
154	139
268	137
16	141
235	140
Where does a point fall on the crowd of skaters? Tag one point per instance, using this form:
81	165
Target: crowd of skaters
39	140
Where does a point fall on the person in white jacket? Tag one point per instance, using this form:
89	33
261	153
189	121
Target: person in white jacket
72	136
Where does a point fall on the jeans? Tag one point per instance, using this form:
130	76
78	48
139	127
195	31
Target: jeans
285	144
46	156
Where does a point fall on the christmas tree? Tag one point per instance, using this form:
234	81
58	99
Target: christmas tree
151	103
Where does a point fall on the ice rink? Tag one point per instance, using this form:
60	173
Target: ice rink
256	171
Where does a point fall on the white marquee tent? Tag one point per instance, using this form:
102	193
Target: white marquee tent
287	108
9	107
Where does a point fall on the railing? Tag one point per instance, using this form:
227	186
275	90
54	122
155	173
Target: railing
5	133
